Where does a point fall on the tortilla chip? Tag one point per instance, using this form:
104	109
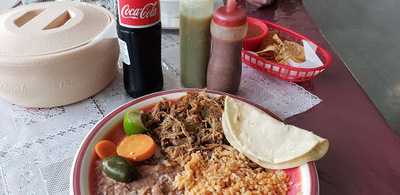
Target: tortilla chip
273	48
295	50
268	40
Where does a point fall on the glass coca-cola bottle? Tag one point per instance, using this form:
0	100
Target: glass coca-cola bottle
139	32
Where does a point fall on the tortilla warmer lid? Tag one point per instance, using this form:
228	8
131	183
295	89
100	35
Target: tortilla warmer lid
49	28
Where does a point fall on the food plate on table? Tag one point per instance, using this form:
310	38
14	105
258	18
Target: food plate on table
178	145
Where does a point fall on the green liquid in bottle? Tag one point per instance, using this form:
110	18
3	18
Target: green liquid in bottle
195	18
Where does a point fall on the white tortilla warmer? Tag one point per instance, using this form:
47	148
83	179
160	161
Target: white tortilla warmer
56	53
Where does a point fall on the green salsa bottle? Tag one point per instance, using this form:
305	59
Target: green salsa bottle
195	17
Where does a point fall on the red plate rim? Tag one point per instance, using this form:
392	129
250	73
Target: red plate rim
76	169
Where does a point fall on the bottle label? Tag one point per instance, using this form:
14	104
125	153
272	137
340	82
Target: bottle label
138	13
124	54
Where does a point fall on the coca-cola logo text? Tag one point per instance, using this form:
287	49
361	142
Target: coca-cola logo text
138	13
148	11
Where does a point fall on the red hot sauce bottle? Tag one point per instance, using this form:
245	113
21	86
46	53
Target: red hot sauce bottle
228	29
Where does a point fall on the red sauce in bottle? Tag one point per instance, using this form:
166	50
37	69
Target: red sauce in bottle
228	29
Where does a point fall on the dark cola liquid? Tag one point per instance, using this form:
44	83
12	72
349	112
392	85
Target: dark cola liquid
144	74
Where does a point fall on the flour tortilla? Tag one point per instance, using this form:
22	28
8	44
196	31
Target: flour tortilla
267	141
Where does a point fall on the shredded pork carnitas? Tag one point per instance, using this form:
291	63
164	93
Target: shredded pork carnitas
190	134
186	125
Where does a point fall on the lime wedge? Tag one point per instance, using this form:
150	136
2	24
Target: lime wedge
133	122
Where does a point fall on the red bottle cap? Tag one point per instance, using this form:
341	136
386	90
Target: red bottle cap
230	15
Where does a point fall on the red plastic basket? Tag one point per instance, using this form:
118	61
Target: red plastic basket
284	71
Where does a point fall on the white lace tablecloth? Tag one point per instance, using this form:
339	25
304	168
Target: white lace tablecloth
37	145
